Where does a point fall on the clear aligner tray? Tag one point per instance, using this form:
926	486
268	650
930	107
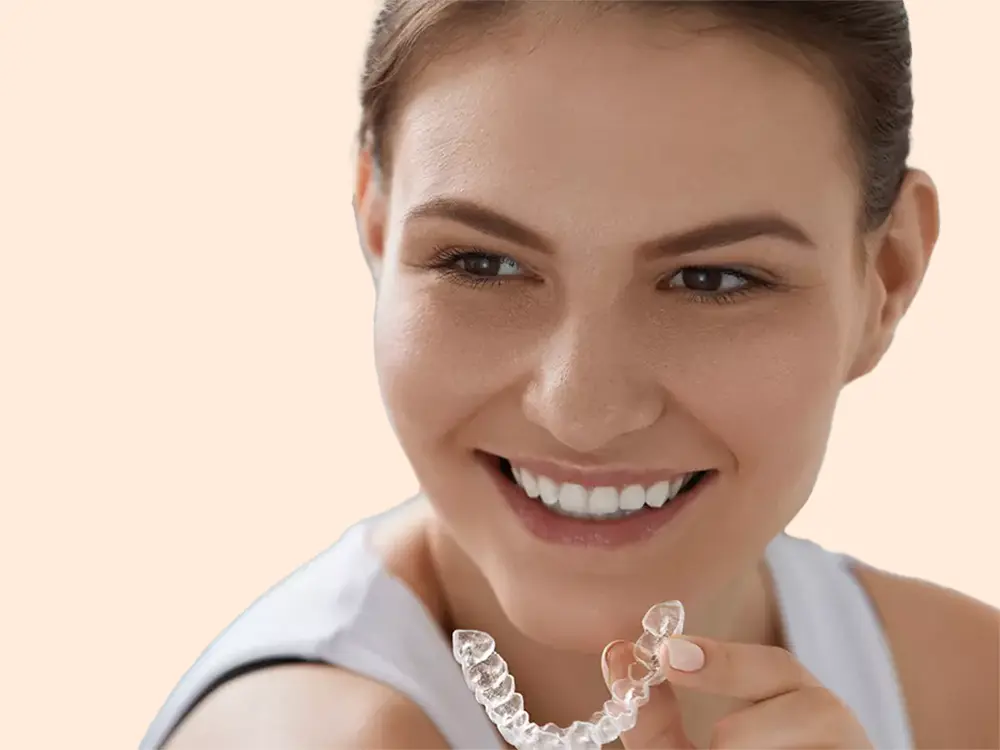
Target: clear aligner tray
487	676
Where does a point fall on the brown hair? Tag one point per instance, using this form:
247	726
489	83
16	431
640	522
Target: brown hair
864	44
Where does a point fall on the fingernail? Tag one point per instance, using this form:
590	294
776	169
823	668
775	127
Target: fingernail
684	655
605	666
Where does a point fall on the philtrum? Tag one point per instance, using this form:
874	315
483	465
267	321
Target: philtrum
487	676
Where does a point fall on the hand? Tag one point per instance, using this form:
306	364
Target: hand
789	708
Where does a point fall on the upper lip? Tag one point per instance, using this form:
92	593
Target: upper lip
595	475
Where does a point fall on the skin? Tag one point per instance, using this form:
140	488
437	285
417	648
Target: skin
589	355
591	361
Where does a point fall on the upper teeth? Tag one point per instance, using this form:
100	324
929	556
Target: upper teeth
597	501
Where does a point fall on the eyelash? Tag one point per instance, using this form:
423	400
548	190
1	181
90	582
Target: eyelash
445	259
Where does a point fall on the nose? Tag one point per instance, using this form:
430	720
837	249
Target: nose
591	386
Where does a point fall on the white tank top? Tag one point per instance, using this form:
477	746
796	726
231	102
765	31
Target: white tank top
343	608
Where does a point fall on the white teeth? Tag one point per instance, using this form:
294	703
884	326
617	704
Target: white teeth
549	490
657	495
573	498
675	486
603	501
600	502
527	481
633	497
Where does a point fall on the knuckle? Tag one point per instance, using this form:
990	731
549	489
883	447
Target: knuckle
724	663
785	658
836	725
824	703
789	665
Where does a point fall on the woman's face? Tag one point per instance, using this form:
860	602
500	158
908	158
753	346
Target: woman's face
546	295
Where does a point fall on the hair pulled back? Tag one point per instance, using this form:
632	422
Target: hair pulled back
864	44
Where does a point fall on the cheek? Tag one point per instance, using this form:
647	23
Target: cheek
442	354
762	381
408	358
766	387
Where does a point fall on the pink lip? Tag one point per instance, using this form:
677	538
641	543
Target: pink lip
597	477
542	523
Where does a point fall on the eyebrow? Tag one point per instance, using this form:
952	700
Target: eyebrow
718	233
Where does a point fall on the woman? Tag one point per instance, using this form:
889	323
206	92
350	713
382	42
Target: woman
627	255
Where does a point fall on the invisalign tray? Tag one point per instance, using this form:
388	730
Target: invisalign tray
487	676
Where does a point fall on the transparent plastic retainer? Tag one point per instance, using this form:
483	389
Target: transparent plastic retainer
487	676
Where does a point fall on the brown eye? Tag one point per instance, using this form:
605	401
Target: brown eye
487	265
708	280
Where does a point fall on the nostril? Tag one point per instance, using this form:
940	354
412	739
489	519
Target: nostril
587	415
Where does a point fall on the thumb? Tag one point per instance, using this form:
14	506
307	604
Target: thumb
659	724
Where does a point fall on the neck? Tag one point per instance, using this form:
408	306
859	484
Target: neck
561	686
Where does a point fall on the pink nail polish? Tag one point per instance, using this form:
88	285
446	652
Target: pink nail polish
684	655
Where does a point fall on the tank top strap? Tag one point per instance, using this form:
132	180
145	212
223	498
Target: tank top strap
833	629
394	639
343	609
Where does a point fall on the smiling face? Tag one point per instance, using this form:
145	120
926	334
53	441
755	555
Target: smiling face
615	269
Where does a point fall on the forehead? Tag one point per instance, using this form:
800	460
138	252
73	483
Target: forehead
621	124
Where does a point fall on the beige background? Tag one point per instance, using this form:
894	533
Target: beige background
188	407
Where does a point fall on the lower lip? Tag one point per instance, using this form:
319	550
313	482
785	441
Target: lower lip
552	527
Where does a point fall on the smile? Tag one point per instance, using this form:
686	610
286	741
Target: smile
599	502
593	507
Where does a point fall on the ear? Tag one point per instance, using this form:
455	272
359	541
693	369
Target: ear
370	211
897	261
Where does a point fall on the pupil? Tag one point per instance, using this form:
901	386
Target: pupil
702	279
482	265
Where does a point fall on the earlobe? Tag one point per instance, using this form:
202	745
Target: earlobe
369	211
897	266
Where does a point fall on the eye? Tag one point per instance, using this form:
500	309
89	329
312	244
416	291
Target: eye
476	268
486	265
709	281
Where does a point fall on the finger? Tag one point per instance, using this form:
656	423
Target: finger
659	724
741	670
811	717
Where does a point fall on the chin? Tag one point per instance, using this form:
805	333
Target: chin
571	614
581	597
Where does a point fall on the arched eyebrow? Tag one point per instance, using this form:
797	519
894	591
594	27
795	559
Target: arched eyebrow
718	233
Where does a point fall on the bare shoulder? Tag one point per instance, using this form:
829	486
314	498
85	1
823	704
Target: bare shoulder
946	646
323	707
309	707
